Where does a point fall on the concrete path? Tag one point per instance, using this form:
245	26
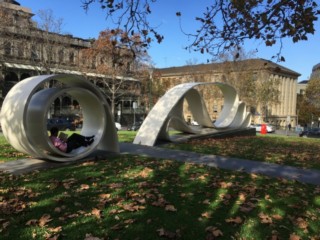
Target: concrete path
268	169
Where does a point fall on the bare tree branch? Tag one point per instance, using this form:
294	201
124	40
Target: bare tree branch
224	25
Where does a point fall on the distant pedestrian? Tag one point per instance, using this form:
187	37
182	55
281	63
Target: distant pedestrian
289	126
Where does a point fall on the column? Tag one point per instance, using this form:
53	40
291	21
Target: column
282	99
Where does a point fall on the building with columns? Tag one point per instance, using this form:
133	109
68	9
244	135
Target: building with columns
26	50
258	71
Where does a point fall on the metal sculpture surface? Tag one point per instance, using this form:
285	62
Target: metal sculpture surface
168	112
25	109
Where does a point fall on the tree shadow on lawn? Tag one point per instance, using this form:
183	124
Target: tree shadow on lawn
297	152
134	197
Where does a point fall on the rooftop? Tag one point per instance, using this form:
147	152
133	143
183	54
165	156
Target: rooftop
248	64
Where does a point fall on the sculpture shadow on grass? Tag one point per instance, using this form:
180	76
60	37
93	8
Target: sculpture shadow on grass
168	114
25	109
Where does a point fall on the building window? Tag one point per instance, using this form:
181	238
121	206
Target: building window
61	57
20	51
34	53
71	57
7	48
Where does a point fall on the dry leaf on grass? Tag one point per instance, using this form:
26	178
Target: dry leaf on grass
294	237
44	220
90	237
277	217
170	208
236	220
301	223
96	212
264	218
32	222
214	231
168	234
206	215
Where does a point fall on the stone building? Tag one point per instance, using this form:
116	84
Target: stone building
315	71
301	87
259	70
26	50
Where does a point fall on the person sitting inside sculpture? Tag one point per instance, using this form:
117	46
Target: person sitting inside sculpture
67	144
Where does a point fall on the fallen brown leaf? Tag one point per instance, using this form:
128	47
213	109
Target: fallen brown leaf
96	212
236	220
214	231
170	208
245	209
294	237
115	185
44	220
56	229
264	218
277	217
32	222
90	237
105	195
301	223
167	234
84	187
206	215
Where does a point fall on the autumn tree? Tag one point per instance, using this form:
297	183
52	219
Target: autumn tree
313	92
306	111
114	56
223	25
312	100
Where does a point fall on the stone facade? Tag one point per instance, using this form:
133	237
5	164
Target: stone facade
261	70
315	71
301	87
26	50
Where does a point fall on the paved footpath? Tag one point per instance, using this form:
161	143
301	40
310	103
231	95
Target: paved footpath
272	170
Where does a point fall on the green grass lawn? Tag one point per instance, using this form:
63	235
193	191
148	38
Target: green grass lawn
135	197
292	151
8	153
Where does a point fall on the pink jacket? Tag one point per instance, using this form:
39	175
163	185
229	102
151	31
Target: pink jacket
58	143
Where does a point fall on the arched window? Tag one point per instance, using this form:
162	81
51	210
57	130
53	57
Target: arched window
34	53
10	80
56	107
24	76
7	48
20	50
11	77
61	56
71	57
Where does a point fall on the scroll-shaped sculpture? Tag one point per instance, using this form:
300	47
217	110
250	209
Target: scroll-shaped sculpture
169	112
25	109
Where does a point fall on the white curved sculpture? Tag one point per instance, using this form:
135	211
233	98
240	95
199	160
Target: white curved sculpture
24	117
169	112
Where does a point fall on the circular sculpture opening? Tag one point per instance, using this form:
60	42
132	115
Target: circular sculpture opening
25	110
